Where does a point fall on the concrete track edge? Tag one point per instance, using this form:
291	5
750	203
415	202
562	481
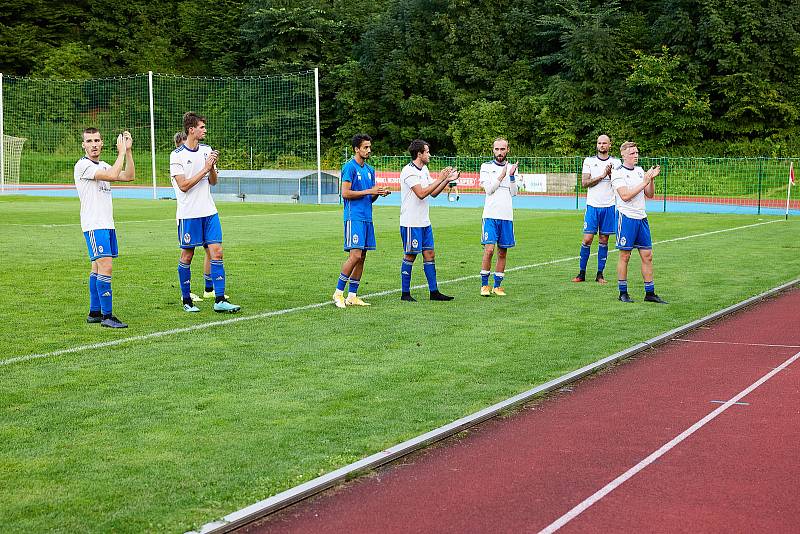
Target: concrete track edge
286	498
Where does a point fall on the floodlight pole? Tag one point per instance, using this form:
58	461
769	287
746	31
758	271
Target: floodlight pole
319	156
2	141
152	133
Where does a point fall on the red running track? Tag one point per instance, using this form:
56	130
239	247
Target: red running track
740	472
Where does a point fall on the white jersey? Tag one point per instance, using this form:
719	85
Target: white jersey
197	201
600	195
625	177
413	210
96	210
498	203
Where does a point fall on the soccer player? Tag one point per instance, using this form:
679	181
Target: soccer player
192	167
498	179
416	185
93	179
600	214
631	185
358	192
179	139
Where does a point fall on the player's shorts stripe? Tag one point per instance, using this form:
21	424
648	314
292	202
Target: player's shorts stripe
93	242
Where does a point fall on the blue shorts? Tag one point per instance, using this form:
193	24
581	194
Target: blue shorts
199	232
101	243
359	234
602	220
498	232
633	233
416	239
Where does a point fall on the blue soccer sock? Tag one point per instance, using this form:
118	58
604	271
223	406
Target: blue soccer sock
218	278
209	284
353	290
484	278
405	275
342	282
585	253
498	279
430	273
185	280
623	286
602	256
94	296
104	290
650	287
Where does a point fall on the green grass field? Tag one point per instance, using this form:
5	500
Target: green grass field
169	432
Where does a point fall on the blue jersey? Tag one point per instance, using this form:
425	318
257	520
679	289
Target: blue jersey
361	179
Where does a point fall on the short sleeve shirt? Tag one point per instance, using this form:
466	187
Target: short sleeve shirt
625	177
600	195
197	201
97	212
414	212
361	178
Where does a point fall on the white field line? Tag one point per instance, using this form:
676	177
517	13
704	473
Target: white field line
263	315
173	219
737	343
611	486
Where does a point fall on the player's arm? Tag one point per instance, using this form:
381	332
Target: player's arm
649	177
115	174
489	185
512	177
184	184
627	193
213	175
130	170
437	186
374	192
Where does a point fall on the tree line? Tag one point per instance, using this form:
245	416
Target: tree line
690	77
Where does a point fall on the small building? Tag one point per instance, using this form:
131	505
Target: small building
276	185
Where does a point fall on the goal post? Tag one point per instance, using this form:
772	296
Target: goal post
256	122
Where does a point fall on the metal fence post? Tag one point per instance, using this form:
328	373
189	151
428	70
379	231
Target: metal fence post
760	176
665	171
578	169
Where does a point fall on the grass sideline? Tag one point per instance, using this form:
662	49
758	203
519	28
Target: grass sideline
169	433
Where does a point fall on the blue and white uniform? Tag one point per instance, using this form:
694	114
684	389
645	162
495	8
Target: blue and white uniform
633	229
358	229
198	220
600	213
415	222
97	212
498	210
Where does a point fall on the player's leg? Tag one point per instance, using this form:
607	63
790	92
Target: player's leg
185	279
488	240
208	284
606	227
622	275
589	229
500	271
95	313
505	241
486	269
366	242
646	253
602	257
355	280
411	247
429	265
626	239
105	242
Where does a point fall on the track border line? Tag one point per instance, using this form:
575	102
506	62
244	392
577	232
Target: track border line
291	496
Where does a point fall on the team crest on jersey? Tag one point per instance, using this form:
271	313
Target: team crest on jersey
355	239
186	237
623	241
414	243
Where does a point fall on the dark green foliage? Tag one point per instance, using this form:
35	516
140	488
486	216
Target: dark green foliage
699	76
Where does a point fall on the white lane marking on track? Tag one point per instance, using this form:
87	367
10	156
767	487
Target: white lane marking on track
737	343
173	219
611	486
203	326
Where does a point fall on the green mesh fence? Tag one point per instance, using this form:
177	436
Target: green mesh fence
750	182
263	122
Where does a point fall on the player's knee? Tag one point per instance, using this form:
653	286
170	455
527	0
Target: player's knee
588	238
502	252
488	250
